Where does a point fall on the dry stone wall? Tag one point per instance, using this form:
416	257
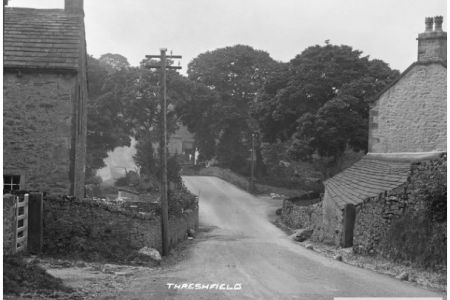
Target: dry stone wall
296	215
409	222
85	225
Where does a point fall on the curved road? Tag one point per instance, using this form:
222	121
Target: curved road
239	245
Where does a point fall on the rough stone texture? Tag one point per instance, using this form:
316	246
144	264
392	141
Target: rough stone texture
300	216
432	46
411	115
37	118
66	221
308	216
9	224
374	216
400	211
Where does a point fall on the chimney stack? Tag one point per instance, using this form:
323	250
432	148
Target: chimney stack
74	7
432	44
5	2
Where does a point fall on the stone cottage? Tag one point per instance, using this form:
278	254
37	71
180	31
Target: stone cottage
44	99
407	130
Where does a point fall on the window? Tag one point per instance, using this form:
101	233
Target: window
11	183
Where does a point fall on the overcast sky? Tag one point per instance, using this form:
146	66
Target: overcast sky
383	29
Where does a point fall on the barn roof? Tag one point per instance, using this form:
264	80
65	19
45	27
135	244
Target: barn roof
372	175
41	39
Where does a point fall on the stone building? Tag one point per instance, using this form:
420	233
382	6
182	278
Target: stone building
181	141
407	128
45	95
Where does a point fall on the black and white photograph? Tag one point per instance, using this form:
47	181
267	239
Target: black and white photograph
224	149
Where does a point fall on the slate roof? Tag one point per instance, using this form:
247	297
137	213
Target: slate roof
41	39
368	177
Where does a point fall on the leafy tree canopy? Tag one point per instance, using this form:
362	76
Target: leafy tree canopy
124	103
321	100
226	82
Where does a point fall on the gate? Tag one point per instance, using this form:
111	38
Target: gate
21	235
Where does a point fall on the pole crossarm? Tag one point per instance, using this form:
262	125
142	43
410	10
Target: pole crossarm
159	67
167	56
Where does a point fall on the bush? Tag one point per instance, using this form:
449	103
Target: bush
416	239
180	200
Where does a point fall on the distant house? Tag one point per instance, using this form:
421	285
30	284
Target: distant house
408	124
181	142
44	99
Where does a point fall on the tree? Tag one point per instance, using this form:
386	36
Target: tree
106	129
114	62
226	82
321	101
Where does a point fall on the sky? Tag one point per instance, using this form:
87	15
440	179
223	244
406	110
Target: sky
383	29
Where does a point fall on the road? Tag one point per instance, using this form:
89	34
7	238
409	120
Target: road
239	247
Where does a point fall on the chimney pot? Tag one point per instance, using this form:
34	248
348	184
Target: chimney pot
74	7
438	23
428	24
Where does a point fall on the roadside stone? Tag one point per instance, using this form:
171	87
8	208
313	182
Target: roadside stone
80	264
276	196
279	211
302	235
150	252
402	276
309	246
191	232
338	257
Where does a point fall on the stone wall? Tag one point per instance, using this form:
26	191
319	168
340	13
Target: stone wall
9	224
374	217
87	225
301	215
409	222
37	120
420	98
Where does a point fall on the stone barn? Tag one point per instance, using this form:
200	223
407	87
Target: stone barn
407	132
44	99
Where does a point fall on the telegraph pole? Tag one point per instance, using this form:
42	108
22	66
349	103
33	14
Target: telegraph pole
163	144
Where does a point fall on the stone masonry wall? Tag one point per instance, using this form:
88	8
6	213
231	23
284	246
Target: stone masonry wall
301	216
9	224
420	99
81	224
409	222
37	118
373	218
